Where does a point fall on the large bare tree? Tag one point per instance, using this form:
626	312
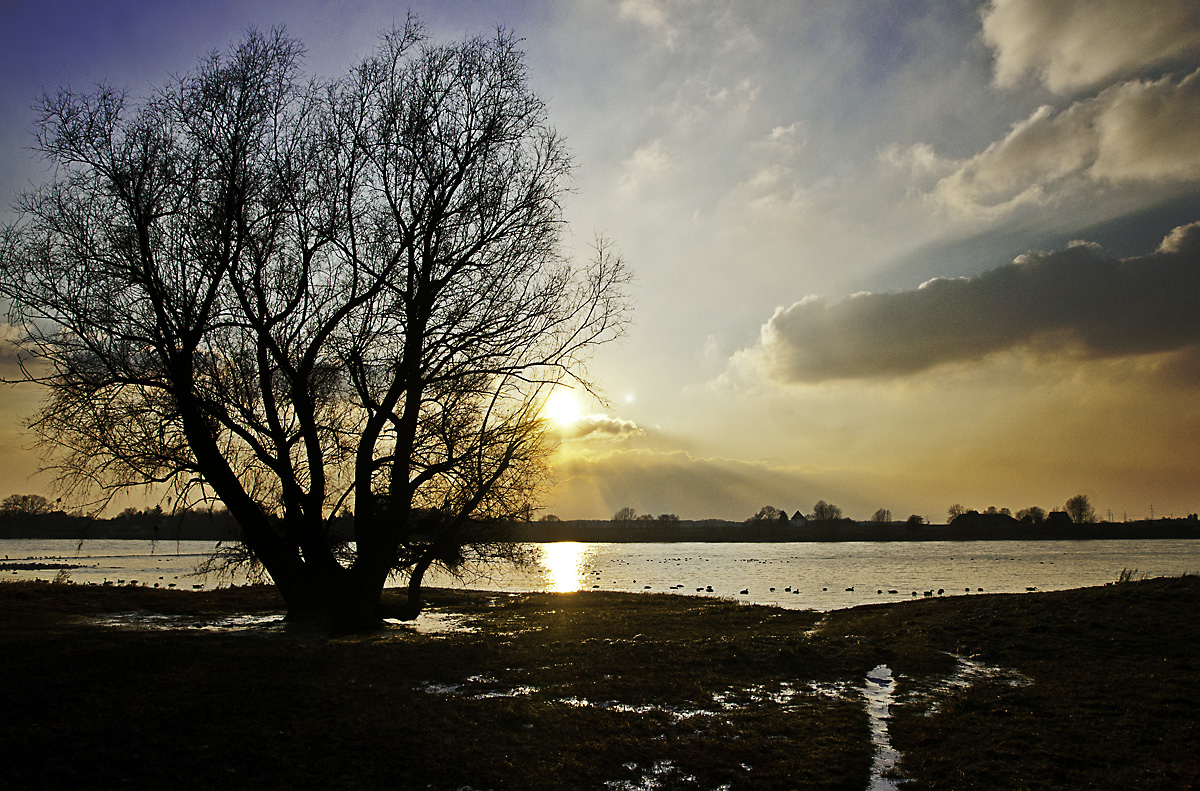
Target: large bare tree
312	298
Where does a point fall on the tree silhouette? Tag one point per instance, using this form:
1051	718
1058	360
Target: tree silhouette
298	296
826	512
25	505
882	515
626	516
768	513
1080	509
1033	514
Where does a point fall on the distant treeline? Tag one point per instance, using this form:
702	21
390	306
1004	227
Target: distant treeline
150	525
848	530
218	525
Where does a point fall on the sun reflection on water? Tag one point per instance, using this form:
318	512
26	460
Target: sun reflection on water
563	561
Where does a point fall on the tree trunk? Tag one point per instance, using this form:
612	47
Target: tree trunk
341	602
412	608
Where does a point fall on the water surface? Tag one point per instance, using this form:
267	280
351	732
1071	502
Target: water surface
822	576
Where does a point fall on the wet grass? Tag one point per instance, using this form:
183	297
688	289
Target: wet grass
602	690
1111	697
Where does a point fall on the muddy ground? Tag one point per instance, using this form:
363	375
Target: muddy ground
120	687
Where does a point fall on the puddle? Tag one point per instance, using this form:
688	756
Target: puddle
675	713
435	622
429	622
434	688
652	778
225	623
834	690
879	691
737	699
969	671
477	688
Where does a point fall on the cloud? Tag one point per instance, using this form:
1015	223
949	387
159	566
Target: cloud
1074	303
1134	132
1083	43
1128	133
695	487
681	26
601	427
652	15
646	165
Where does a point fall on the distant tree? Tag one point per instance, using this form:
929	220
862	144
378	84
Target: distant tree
1033	514
625	516
1080	509
826	512
668	518
955	511
768	513
914	520
991	509
882	515
25	505
550	518
646	518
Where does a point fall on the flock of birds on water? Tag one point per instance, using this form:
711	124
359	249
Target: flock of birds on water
106	582
703	589
789	589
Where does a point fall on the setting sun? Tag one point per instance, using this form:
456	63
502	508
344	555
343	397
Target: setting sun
562	408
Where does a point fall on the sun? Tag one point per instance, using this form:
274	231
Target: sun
562	408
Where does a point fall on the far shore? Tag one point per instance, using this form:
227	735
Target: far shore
204	527
715	531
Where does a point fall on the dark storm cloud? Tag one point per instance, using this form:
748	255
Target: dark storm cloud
1076	303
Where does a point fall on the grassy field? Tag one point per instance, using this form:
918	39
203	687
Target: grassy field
1091	688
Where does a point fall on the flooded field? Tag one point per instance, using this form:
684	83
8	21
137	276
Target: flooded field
821	576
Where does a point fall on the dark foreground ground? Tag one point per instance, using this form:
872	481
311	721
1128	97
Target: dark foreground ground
1092	688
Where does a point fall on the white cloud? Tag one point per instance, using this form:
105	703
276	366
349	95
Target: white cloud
601	427
1148	130
919	159
680	25
651	14
646	165
1137	131
1075	44
787	139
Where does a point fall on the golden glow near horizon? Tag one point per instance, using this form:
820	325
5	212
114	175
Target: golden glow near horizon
563	408
564	562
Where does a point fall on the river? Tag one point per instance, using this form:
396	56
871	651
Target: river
821	576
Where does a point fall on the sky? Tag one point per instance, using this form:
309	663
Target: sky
887	254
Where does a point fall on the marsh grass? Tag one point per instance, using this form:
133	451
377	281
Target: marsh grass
1125	576
597	690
